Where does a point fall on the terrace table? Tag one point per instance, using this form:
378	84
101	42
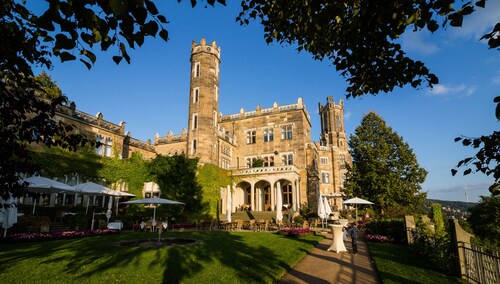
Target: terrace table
115	225
338	240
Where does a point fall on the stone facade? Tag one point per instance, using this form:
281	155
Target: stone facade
270	150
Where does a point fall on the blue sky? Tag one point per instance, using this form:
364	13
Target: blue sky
151	94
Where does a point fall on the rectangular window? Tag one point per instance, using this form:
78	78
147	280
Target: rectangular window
194	147
197	69
268	134
195	121
107	147
323	160
286	132
98	149
196	95
216	90
325	177
287	159
269	161
251	136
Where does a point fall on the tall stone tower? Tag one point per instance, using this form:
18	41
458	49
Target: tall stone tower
332	124
204	102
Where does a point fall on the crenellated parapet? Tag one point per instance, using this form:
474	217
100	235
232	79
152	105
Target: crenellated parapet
96	120
203	47
266	111
171	138
139	144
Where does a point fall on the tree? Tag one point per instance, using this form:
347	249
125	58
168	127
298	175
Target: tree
360	36
484	220
66	30
384	168
487	157
176	176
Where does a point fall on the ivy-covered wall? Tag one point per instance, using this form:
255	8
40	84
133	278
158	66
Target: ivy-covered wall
212	178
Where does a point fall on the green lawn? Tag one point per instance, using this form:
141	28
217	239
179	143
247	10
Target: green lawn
398	264
221	257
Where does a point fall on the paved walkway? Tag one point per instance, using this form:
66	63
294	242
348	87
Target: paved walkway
322	266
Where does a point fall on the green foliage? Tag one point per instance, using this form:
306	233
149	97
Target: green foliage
485	221
437	218
176	176
211	178
435	246
48	86
360	37
384	168
257	163
400	264
134	171
59	162
487	157
394	229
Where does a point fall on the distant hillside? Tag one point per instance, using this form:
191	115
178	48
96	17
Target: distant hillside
454	208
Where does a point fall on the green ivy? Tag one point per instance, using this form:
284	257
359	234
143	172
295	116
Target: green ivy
59	162
212	178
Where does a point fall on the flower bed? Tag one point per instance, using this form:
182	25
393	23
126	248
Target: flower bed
295	233
21	237
377	238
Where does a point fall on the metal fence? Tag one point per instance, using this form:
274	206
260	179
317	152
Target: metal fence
479	265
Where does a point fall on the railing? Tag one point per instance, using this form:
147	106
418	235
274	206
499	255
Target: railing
265	170
90	119
262	111
140	144
480	265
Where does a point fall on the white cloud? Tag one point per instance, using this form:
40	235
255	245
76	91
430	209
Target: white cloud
418	42
496	78
347	115
460	192
444	90
479	22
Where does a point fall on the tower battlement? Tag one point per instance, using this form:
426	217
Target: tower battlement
203	47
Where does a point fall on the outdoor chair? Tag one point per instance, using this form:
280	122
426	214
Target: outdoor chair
252	225
149	226
305	225
136	226
59	215
159	226
239	224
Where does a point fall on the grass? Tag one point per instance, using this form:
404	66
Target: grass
222	257
398	264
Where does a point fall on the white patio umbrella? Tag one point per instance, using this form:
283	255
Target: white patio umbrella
356	201
321	209
155	201
229	204
38	184
279	204
8	212
328	210
94	189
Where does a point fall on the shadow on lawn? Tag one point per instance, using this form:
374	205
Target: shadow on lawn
90	257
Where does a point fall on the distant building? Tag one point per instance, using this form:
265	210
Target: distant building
270	149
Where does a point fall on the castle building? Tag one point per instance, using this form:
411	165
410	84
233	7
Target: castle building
269	149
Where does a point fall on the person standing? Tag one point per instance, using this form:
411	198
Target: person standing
353	231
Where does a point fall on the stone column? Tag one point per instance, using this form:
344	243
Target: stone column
279	190
252	196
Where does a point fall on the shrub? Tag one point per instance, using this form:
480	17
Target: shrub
295	233
377	238
394	229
